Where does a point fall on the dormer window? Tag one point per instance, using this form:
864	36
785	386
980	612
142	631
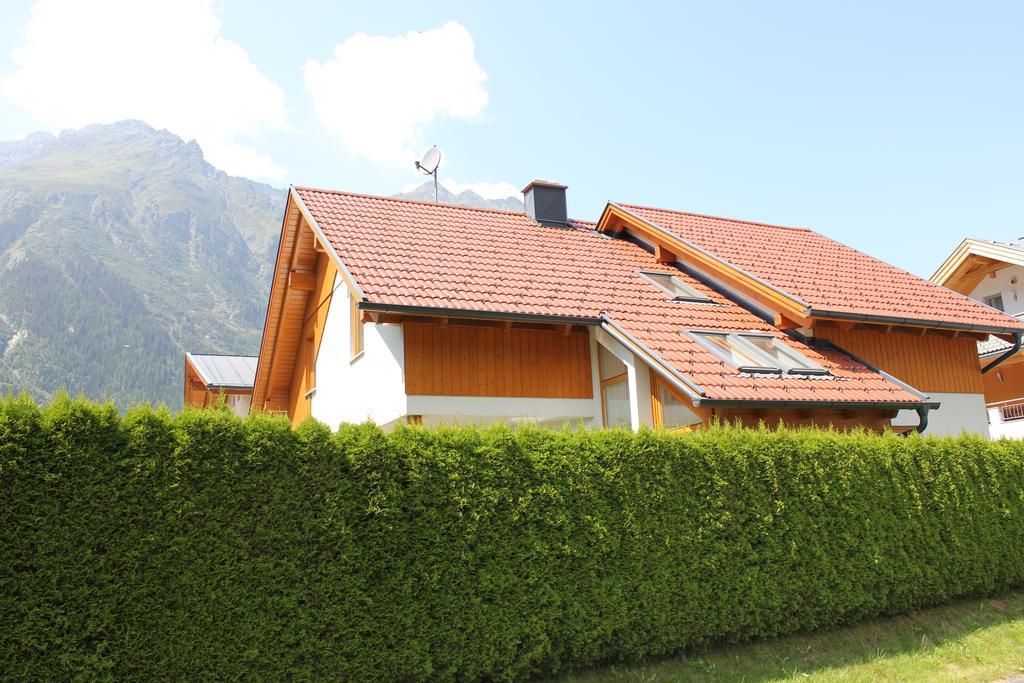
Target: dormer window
673	286
757	353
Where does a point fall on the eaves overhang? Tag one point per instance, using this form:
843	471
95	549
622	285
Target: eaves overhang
910	322
1005	253
844	405
311	219
469	313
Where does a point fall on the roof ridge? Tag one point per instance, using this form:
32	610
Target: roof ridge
426	202
219	355
717	218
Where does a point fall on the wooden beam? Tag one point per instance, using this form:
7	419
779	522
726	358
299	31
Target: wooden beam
302	280
663	255
296	238
784	322
986	268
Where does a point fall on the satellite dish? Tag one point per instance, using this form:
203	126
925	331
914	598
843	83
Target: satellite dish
429	164
431	160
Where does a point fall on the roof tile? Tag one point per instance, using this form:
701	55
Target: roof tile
442	256
823	273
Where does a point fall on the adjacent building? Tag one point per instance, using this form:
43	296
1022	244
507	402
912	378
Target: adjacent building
993	273
210	378
401	311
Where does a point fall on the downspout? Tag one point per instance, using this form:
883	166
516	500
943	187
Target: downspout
922	415
1009	352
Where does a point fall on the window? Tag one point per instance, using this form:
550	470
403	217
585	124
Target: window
310	363
672	285
995	301
670	411
611	366
357	327
785	358
614	389
731	349
755	352
616	404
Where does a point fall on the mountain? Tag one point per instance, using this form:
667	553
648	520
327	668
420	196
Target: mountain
120	249
425	192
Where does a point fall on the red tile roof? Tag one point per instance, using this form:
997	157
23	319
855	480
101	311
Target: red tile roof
822	273
414	253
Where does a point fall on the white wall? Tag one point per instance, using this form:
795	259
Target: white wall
549	412
1002	283
999	429
368	387
957	413
372	386
638	376
239	404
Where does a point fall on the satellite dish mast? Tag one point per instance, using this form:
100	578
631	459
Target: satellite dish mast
429	165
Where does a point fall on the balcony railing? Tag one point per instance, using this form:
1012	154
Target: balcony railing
1009	411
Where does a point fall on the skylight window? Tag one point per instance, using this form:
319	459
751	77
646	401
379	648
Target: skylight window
754	352
785	358
673	286
733	351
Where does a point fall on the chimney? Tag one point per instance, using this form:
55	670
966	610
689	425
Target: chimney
545	202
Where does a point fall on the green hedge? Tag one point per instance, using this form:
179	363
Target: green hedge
200	545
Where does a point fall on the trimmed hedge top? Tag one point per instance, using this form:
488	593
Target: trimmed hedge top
201	545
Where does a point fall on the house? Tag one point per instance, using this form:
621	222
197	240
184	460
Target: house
992	273
208	377
397	311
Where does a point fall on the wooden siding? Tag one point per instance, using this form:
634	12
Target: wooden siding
1004	383
196	394
303	379
929	363
470	360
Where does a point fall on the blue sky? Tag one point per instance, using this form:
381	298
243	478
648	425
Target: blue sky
897	130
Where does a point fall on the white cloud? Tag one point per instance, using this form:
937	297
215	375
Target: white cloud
499	190
379	92
162	61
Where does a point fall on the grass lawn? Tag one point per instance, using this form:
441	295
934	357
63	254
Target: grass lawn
972	640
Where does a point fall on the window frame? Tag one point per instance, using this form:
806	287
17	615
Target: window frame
993	297
658	410
736	339
615	379
748	350
356	333
696	297
310	343
812	367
